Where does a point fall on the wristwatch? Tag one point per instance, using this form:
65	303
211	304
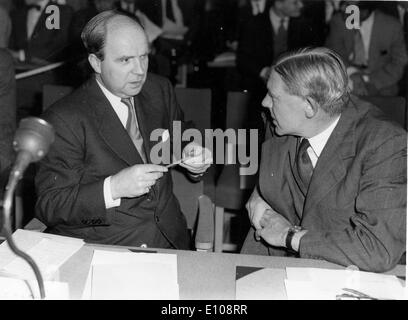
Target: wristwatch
289	236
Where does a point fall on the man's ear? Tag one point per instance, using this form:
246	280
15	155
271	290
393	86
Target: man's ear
95	63
311	108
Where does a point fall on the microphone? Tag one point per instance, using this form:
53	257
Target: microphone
204	240
31	142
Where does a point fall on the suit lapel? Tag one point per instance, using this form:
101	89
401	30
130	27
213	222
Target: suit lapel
373	48
110	127
330	168
40	25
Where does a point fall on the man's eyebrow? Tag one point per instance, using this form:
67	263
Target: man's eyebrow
124	57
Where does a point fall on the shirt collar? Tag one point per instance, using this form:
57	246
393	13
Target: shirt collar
319	141
261	4
113	99
276	20
368	23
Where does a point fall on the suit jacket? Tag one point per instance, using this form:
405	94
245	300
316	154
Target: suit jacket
387	52
255	49
46	44
7	109
355	208
92	144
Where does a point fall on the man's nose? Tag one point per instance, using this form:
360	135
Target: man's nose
265	103
137	67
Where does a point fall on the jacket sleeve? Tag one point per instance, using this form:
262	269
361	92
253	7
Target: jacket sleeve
374	239
63	195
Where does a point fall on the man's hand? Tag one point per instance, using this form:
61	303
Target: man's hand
199	159
256	207
274	228
135	181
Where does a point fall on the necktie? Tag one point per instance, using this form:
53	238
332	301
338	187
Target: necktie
304	165
133	129
359	51
169	11
280	42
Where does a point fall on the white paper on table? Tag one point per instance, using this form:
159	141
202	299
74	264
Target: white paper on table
49	256
25	240
315	283
19	289
263	284
142	281
125	258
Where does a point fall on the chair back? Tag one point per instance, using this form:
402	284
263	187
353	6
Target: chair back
196	105
52	93
394	107
187	193
237	109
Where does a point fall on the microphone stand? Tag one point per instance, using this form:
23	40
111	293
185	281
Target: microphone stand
15	176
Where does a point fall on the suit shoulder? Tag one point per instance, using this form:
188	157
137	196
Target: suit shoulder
155	83
388	19
70	107
376	126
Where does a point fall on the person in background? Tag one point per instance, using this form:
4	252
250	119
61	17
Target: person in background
262	39
32	40
5	27
332	181
375	54
98	181
7	109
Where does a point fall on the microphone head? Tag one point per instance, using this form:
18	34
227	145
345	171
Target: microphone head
34	136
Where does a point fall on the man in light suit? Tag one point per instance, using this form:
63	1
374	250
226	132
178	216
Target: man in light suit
375	66
333	176
98	181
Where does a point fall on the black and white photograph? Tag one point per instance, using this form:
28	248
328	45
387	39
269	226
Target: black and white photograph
203	154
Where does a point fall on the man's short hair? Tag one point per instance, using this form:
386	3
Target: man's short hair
317	73
94	33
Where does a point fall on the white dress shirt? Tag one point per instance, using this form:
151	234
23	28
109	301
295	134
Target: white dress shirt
258	6
122	112
318	142
32	17
330	7
276	21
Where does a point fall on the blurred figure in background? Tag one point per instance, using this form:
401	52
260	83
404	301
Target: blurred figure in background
262	39
375	54
30	37
7	109
5	27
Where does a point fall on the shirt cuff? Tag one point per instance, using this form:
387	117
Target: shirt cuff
107	195
352	70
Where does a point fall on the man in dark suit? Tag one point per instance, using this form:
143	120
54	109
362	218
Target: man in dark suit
333	176
262	39
7	109
98	181
375	54
32	36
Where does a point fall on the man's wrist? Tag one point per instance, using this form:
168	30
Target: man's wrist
293	236
296	240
